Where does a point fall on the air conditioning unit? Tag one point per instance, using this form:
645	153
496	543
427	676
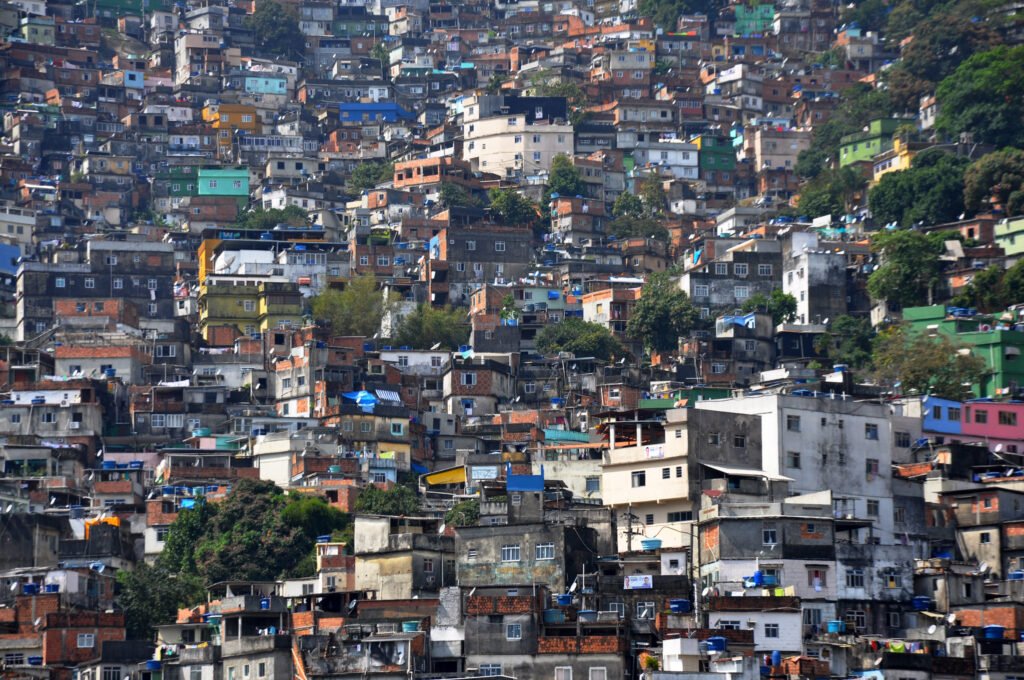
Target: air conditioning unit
74	426
385	628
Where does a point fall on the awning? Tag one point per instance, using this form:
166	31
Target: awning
388	395
747	472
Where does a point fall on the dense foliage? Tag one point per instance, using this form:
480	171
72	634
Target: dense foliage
925	365
582	338
910	270
356	310
662	314
428	326
930	192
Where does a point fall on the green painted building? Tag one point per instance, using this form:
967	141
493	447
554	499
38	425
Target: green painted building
714	153
755	19
1009	235
991	338
865	145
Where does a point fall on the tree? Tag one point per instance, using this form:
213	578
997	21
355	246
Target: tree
464	514
926	365
652	195
356	310
627	205
929	192
454	196
996	180
511	208
368	175
582	338
248	538
986	291
643	226
151	595
780	306
985	97
662	314
941	43
1013	284
276	29
910	268
564	179
830	192
265	220
848	341
428	326
178	555
869	15
398	500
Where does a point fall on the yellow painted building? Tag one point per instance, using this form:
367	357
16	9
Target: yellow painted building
246	304
899	157
225	118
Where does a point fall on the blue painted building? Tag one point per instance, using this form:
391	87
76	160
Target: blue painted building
941	416
372	112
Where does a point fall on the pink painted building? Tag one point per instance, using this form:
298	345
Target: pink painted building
994	422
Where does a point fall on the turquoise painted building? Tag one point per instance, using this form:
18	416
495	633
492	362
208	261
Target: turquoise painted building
754	19
258	83
224	182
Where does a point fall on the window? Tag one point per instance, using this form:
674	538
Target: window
685	516
151	284
245	671
771	630
118	284
510	553
817	578
1008	418
365	426
645	610
544	551
489	669
86	640
666	473
769	536
728	624
60	282
649	519
563	672
855	578
499	246
679	469
954	413
383	260
985	537
598	673
741	292
739	441
111	260
513	631
15	418
740	269
111	673
469	379
90	283
894	620
722	268
871	468
639	479
856	618
871	431
700	291
593	484
764	270
981	416
793	459
872	508
261	669
793	423
397	429
714	439
48	417
901	439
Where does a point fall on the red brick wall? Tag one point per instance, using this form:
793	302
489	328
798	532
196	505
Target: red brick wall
589	644
60	636
482	604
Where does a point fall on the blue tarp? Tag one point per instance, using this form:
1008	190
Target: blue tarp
418	469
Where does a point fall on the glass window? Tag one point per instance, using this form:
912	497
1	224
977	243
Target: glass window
545	551
510	553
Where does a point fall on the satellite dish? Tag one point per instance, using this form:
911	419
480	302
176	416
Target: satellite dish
825	321
436	345
932	629
53	500
878	661
997	448
983	567
14	586
37	622
706	591
352	604
951	619
572	588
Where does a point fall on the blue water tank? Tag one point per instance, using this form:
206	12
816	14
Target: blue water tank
265	603
717	643
679	606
